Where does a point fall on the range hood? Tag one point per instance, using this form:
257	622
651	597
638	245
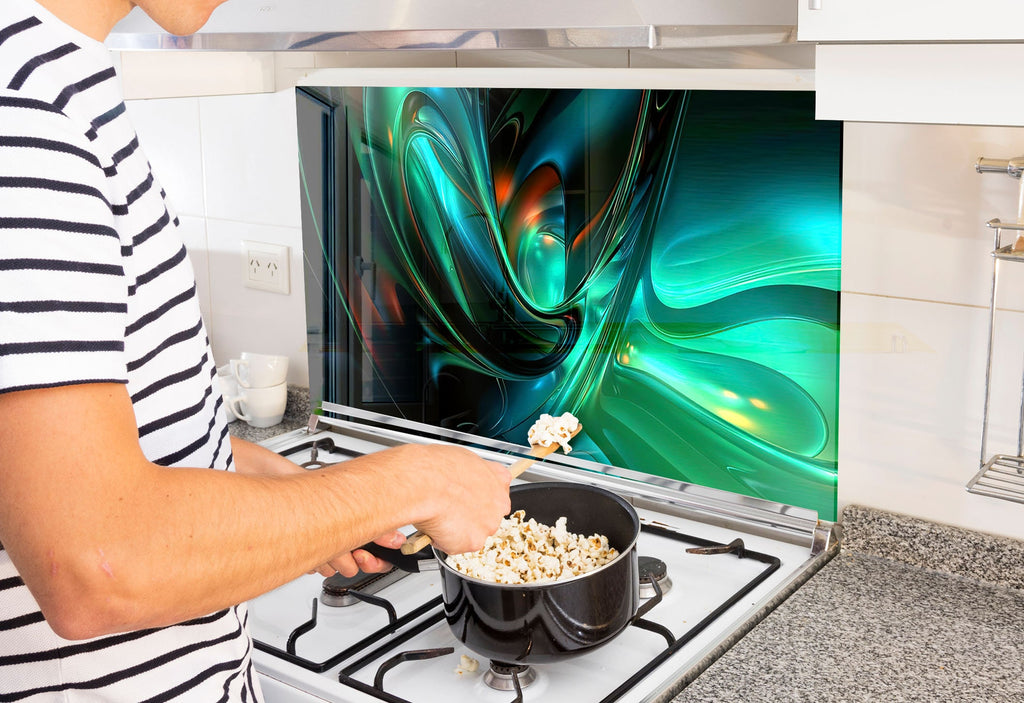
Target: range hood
361	25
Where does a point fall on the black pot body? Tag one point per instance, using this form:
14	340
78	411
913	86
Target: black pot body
538	623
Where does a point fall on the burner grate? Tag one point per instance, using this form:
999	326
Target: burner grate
771	563
321	444
330	663
432	613
342	591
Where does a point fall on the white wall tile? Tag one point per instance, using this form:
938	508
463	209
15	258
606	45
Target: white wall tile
571	77
758	56
911	403
169	133
250	158
554	58
193	233
245	319
386	59
914	210
294	59
169	74
294	68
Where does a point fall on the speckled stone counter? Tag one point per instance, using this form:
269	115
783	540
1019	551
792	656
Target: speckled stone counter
908	611
296	414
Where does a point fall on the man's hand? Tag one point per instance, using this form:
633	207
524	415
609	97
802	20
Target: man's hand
351	563
463	497
467	497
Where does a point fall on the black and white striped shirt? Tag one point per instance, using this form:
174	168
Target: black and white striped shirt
95	286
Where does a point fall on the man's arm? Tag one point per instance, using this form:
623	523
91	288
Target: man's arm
251	458
107	541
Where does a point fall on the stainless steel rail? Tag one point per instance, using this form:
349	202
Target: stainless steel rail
471	25
780	521
1001	475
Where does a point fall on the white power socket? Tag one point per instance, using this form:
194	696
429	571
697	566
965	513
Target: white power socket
265	266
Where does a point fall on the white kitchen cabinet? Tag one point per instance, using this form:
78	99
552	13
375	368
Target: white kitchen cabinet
920	61
968	84
916	20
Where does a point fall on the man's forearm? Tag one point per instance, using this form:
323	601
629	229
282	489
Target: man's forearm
217	539
107	541
251	458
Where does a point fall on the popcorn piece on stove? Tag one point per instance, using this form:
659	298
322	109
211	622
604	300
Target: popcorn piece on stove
467	665
549	430
525	551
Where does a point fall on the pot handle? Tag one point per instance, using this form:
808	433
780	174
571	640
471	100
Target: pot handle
423	560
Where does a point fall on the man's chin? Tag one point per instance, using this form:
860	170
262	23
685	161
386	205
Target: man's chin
181	20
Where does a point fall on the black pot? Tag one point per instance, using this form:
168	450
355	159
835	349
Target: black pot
543	622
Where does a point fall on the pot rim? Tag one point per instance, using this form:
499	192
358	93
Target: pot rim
441	556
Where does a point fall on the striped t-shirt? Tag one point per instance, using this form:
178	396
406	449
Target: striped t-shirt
95	286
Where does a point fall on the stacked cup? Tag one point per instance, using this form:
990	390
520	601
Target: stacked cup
255	390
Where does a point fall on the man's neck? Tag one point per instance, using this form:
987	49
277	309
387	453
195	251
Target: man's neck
94	18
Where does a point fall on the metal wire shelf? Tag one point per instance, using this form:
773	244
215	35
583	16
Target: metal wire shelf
1002	475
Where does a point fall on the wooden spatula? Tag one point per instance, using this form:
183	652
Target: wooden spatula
418	540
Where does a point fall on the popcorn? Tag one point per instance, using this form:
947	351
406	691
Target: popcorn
467	665
525	551
550	430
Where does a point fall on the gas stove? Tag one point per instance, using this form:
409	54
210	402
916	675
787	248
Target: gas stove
713	564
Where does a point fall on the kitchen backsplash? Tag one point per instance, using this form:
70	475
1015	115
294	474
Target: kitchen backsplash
916	279
587	251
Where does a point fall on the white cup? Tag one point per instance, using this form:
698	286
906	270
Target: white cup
228	388
260	407
259	370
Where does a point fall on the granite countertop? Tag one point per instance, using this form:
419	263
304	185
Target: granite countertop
909	610
296	415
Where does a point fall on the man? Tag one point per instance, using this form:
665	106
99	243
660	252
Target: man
124	556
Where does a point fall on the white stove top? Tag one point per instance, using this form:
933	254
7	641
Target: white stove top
774	562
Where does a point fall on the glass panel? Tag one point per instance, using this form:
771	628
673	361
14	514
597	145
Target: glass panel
662	264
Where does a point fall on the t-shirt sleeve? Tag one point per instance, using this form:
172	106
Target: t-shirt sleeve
63	289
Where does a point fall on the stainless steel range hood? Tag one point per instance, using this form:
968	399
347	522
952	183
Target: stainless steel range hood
366	25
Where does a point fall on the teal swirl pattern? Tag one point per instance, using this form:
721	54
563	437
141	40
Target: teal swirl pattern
664	265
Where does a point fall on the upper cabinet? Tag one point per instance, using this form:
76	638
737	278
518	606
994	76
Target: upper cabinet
910	20
923	61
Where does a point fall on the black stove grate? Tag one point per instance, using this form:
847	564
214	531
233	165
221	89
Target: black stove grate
345	654
432	613
772	565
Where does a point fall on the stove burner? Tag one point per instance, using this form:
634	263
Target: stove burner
653	567
339	591
502	677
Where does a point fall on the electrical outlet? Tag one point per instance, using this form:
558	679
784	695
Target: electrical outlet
265	266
